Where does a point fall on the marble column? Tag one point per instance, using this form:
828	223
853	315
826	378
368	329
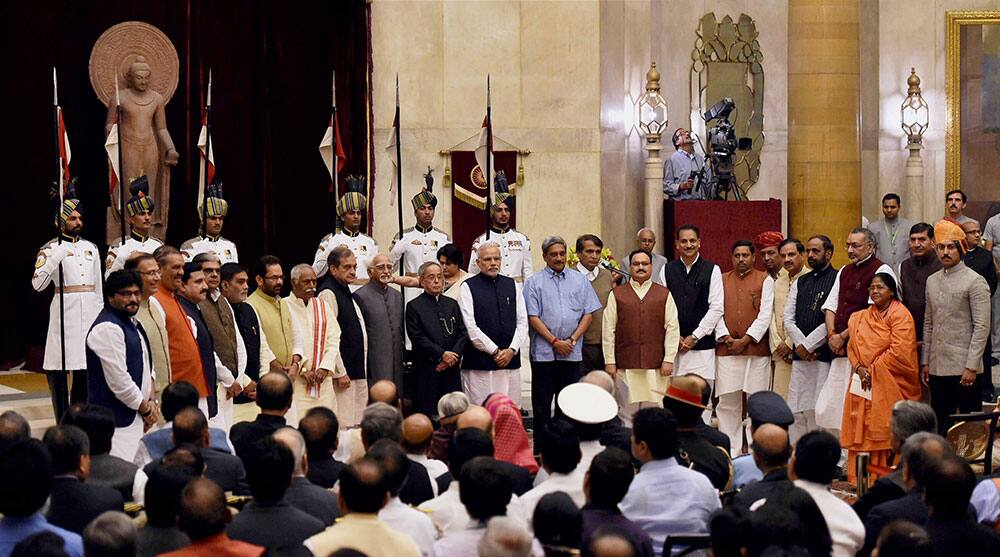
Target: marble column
824	155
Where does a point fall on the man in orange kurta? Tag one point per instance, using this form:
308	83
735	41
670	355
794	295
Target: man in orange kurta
883	342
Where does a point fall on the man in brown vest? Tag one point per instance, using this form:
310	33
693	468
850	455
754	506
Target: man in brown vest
228	342
641	333
743	363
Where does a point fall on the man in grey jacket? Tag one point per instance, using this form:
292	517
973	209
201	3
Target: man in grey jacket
956	324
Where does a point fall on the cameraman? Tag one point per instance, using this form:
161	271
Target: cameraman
685	175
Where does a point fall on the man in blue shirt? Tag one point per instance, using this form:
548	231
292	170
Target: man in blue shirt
685	175
665	498
25	482
560	305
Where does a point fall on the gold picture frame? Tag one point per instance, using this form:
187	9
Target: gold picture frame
954	23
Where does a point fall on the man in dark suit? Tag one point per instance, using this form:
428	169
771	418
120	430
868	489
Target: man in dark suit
771	450
162	498
269	520
191	427
302	493
948	486
98	422
274	397
320	429
74	503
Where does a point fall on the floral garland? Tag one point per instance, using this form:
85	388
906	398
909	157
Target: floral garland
572	259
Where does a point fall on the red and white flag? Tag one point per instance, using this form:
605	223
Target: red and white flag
111	146
64	155
203	144
390	150
326	148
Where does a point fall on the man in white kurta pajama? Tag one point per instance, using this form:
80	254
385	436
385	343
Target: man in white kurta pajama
314	385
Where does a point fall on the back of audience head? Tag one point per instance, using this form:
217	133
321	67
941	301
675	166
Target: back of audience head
186	456
274	392
112	534
902	538
654	434
608	479
919	450
163	493
476	417
609	541
560	447
362	487
601	379
13	428
293	440
948	485
451	405
909	417
176	397
557	522
269	469
190	426
319	428
41	544
203	512
465	445
384	391
484	488
98	422
505	537
380	421
394	462
816	456
417	433
26	473
70	450
771	447
771	530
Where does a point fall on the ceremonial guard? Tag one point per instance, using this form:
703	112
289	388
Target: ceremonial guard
420	243
81	301
139	211
212	240
351	209
515	248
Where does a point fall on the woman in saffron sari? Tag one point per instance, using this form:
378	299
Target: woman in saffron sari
883	356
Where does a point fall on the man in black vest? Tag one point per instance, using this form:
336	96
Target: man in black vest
352	388
120	364
696	286
497	322
259	358
806	326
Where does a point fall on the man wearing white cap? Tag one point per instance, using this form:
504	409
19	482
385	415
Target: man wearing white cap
588	408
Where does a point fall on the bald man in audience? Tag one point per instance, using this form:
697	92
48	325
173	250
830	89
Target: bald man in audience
203	517
385	391
417	432
771	451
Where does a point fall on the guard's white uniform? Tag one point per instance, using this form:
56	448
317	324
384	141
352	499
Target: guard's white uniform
419	245
515	254
363	247
82	297
223	248
118	254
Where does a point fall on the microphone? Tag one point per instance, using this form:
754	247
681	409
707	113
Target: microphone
608	266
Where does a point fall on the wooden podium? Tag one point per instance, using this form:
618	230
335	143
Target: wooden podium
721	223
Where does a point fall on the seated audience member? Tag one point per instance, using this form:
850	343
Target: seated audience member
683	399
446	510
613	433
763	407
485	492
908	417
605	485
560	458
269	521
714	436
588	408
813	467
479	418
919	451
112	534
98	422
665	498
771	450
226	470
73	502
509	436
608	541
505	537
901	538
362	495
417	433
948	486
396	514
449	407
13	428
203	516
41	544
157	441
320	428
557	524
303	494
274	397
986	502
26	471
162	503
382	421
768	530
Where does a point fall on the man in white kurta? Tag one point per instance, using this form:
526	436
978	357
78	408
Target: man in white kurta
629	334
314	384
80	274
